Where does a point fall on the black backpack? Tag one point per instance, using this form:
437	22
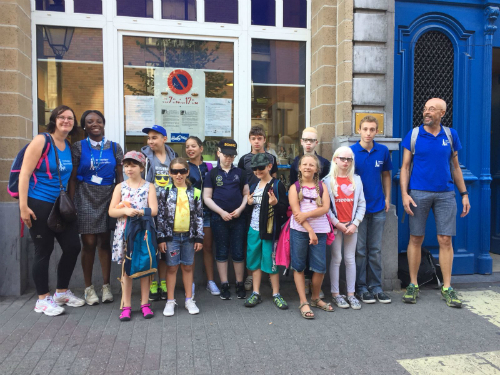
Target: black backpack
428	273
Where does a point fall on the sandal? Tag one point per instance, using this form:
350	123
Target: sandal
126	313
305	313
326	307
146	311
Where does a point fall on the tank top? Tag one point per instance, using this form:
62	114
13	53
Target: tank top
318	224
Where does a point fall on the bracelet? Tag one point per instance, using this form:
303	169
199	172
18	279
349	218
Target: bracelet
464	193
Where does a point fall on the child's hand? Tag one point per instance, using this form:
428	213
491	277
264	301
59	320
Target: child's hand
341	227
300	217
198	246
131	211
273	201
250	199
162	247
313	239
226	216
236	213
350	229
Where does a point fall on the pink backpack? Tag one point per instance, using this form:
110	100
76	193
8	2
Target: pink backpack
283	247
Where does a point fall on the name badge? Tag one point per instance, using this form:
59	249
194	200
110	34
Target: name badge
96	179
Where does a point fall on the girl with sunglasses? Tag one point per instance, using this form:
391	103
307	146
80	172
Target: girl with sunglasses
347	211
180	231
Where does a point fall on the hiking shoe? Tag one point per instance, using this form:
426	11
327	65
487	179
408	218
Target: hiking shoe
308	286
191	307
451	297
241	293
147	313
224	291
107	296
340	301
253	300
169	309
163	290
48	306
366	297
353	301
68	298
249	283
280	302
411	294
91	296
383	298
212	288
126	314
154	295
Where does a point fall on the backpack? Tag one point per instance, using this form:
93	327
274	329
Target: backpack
15	169
213	176
282	257
428	272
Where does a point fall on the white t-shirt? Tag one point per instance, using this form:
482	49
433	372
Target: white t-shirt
257	201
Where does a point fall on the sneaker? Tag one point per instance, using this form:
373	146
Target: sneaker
253	300
451	297
169	309
68	298
383	298
241	293
48	306
308	286
126	314
154	295
224	291
212	288
147	313
163	289
411	294
91	296
353	301
107	296
191	307
366	297
340	301
249	283
280	302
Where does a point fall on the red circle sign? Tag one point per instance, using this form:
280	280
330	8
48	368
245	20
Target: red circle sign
180	82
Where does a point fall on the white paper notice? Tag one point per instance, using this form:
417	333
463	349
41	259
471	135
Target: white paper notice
140	112
218	117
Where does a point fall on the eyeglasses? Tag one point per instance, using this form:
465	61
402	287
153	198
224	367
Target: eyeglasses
309	140
62	118
259	168
229	156
177	171
431	109
348	160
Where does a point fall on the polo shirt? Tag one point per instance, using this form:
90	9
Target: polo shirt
431	162
369	165
227	194
245	163
294	168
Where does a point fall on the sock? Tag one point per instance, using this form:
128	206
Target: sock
170	300
276	295
60	294
186	299
256	293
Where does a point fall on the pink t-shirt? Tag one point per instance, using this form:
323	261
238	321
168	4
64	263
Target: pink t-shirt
318	224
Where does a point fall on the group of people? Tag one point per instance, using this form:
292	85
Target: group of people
241	209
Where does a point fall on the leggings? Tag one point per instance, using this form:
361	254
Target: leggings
43	238
349	260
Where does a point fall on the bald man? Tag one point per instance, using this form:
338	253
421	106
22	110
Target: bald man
430	186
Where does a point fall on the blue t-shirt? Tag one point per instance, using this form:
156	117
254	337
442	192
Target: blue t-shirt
431	162
227	193
47	187
369	166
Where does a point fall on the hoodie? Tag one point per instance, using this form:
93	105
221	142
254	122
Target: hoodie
156	171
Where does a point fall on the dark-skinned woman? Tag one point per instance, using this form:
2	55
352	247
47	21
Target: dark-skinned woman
38	191
97	167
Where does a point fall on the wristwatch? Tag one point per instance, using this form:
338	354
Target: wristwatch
464	193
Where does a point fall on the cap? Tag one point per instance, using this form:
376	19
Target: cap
156	128
228	146
135	155
259	160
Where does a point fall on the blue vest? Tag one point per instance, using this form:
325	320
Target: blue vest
106	164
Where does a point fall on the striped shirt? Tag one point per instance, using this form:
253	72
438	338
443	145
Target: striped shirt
318	224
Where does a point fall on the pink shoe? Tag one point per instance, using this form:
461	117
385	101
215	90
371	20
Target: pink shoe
146	311
126	313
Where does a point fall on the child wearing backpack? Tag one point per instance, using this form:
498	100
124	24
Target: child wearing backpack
180	232
268	205
130	199
348	209
308	232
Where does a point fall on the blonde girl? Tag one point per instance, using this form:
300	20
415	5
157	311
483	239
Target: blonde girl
348	209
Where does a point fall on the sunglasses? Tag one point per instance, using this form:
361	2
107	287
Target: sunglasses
259	168
348	160
177	171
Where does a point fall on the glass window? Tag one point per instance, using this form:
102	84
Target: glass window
135	8
222	11
88	6
50	5
189	83
178	10
279	97
264	12
69	71
295	13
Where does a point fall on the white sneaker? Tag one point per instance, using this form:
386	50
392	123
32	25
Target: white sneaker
48	306
91	296
68	298
107	296
190	306
169	309
308	286
249	283
212	288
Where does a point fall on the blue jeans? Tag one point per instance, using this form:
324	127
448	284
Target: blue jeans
301	251
180	250
368	253
228	236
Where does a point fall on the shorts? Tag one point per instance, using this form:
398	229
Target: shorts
301	251
180	250
206	217
229	237
260	253
444	207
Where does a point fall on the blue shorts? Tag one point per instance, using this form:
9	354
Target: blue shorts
180	250
301	252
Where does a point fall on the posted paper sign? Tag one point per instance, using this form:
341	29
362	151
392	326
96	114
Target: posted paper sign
218	117
140	112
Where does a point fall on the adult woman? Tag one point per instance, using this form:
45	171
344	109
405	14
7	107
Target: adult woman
96	168
38	191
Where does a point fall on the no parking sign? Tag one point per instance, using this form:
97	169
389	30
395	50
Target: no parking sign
180	81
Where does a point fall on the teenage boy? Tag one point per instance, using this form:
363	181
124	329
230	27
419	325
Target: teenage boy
158	158
373	165
226	193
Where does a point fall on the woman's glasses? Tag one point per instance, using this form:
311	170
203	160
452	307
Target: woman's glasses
345	160
177	171
259	168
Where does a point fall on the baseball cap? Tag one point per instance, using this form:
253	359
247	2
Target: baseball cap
259	160
228	146
135	155
156	128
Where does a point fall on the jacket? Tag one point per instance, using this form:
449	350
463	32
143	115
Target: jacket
150	164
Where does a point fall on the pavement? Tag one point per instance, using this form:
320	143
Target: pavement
228	338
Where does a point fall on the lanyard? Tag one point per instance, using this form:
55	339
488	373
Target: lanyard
94	164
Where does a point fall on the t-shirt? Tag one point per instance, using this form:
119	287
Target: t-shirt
257	202
344	201
246	162
227	193
182	217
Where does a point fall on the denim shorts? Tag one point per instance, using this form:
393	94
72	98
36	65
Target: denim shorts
229	237
301	252
180	250
444	207
206	217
